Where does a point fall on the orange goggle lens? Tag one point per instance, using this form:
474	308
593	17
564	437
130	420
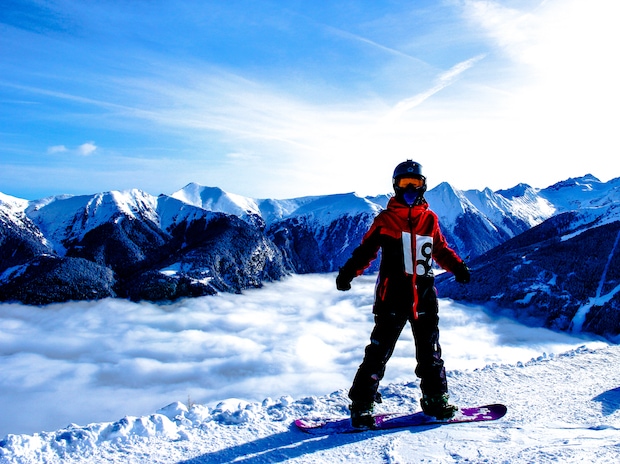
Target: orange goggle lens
405	181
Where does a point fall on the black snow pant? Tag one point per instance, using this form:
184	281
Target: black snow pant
387	329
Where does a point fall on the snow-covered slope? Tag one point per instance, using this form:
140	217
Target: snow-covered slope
326	209
448	202
117	244
18	231
69	218
527	206
563	273
474	222
563	408
215	199
12	208
576	193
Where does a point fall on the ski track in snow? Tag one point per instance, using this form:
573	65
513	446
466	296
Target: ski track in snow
599	289
580	317
563	408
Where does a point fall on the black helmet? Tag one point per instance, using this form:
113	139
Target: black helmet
410	192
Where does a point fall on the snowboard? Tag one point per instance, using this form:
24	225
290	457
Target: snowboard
385	421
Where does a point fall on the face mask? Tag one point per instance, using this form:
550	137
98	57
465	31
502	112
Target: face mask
411	195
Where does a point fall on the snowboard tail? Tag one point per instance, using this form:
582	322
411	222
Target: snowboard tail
385	421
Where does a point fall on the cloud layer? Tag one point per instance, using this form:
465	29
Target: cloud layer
88	362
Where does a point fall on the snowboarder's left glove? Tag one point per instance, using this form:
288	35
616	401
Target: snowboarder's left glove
462	274
343	283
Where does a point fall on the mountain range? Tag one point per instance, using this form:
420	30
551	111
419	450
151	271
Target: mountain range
548	256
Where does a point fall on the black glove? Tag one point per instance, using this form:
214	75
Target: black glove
343	283
462	274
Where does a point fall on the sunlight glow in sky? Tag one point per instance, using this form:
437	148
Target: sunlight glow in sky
272	99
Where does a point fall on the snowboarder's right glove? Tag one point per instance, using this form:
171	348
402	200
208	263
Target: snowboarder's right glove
343	282
462	274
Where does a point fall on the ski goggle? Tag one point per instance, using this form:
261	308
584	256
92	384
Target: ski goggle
405	181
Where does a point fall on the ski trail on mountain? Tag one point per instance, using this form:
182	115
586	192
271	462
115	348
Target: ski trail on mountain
599	290
580	316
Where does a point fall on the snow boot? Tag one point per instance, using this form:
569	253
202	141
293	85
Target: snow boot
438	406
361	415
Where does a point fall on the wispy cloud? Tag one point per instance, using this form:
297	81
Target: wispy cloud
61	95
85	149
510	29
443	80
372	43
57	149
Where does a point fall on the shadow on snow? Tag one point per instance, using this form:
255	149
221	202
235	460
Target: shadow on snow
288	445
610	401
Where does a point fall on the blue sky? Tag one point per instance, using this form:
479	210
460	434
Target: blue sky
290	98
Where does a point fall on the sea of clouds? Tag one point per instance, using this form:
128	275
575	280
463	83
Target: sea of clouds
85	362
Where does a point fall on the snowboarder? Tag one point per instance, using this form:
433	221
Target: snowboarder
408	234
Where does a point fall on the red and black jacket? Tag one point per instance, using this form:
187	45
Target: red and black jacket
410	240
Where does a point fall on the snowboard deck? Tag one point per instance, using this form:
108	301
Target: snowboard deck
385	421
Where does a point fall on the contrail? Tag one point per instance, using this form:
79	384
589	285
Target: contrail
444	80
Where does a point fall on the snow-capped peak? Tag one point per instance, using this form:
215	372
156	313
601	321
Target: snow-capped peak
575	193
326	208
67	217
321	208
12	207
13	202
216	199
447	202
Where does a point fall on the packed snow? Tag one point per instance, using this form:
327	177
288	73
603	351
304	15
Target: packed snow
220	379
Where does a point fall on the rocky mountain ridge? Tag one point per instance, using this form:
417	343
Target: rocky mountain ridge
563	273
202	240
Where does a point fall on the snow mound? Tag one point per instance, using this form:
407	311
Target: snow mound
561	408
